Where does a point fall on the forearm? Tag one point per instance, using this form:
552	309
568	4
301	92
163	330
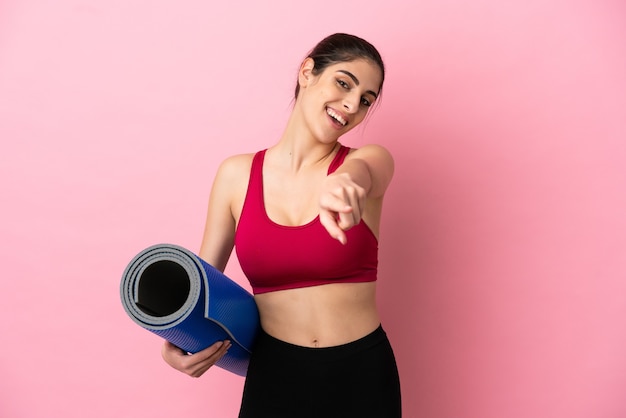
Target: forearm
370	167
358	172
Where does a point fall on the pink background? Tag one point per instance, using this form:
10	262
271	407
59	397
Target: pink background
503	249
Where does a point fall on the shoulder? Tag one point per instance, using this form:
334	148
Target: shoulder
371	151
236	167
231	179
375	156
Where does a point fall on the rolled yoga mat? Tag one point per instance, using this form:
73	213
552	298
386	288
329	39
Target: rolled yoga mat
173	293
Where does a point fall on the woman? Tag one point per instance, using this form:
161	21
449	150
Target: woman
304	216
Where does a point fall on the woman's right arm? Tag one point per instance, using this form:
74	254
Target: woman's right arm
227	194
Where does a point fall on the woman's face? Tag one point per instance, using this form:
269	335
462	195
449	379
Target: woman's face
337	100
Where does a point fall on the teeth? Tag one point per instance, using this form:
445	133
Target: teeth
336	116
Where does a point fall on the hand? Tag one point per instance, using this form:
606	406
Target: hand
341	205
196	364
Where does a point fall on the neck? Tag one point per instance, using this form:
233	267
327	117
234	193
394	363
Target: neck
299	147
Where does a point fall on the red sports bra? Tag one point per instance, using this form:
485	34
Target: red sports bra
278	257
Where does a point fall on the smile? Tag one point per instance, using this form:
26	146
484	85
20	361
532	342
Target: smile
336	116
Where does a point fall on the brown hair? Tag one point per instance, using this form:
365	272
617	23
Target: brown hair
341	47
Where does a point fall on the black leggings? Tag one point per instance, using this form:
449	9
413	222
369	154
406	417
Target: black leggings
358	379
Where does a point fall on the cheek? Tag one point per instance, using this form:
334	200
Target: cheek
317	95
361	116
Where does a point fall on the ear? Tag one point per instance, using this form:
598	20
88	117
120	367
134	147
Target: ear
305	75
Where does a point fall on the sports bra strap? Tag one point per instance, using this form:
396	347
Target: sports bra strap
338	160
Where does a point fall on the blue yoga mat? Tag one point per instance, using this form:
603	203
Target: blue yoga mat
173	293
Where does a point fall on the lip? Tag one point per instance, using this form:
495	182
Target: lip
335	122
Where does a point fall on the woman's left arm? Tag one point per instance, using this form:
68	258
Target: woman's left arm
364	176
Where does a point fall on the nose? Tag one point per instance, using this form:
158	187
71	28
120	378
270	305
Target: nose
351	103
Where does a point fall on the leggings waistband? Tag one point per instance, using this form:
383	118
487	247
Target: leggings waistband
283	348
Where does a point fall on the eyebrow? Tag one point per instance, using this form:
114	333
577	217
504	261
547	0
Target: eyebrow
356	81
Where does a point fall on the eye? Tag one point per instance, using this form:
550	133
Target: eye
343	84
365	102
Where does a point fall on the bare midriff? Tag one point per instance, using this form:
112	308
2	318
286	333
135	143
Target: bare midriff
320	316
